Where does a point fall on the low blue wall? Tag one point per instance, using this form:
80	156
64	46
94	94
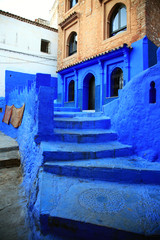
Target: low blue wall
37	120
135	119
17	80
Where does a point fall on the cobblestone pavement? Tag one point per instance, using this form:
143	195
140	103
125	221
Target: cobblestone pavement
12	205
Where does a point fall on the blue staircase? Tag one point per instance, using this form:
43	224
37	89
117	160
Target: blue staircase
93	184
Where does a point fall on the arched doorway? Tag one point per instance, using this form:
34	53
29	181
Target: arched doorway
89	92
116	81
71	91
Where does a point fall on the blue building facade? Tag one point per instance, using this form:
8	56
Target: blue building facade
96	81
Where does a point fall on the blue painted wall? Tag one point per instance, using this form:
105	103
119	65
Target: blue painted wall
38	111
101	68
136	58
17	80
152	57
142	56
134	118
31	158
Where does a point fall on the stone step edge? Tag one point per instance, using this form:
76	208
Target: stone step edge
81	119
55	137
85	137
7	149
83	132
125	175
10	163
78	114
66	155
82	147
67	227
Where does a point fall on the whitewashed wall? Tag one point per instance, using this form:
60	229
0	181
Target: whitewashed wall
20	49
54	15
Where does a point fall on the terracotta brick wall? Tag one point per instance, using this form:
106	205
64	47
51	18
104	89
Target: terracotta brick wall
91	27
153	21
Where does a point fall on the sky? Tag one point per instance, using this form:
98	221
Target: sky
30	9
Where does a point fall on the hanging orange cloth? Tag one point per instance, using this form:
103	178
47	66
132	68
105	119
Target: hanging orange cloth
17	115
7	114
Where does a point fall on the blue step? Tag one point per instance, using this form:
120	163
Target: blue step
54	151
57	105
95	180
84	136
66	109
118	206
82	123
62	114
126	170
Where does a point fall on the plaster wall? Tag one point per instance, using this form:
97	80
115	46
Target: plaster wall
20	49
134	118
25	37
36	121
54	15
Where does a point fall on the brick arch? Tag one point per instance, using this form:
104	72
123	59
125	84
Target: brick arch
114	8
68	41
111	6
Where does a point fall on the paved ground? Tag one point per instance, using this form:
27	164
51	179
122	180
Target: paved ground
12	200
9	152
12	206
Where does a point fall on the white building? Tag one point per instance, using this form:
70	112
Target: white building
54	15
26	46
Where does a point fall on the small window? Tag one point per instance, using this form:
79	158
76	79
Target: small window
45	46
72	44
152	93
118	21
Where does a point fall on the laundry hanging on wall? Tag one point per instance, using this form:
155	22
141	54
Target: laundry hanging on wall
13	115
17	114
7	114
